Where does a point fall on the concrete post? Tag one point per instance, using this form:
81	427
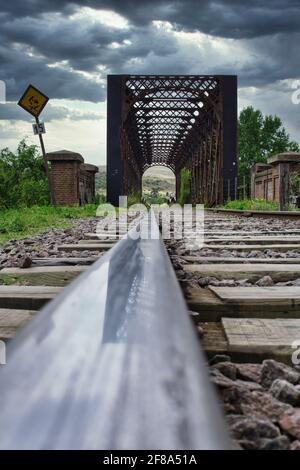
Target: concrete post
283	172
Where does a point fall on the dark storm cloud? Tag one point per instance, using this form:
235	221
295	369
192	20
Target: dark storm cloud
29	45
19	69
41	44
230	18
12	112
84	44
143	41
273	58
58	38
227	18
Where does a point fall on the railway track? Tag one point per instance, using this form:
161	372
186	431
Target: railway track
244	284
242	289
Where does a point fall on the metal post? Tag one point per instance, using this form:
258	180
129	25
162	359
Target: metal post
229	124
228	190
235	188
244	188
45	162
118	171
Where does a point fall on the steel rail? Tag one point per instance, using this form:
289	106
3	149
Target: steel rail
112	363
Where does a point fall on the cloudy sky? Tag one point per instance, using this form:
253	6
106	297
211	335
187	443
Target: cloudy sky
67	48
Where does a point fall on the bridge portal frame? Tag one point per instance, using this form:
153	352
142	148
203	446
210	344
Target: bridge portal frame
176	121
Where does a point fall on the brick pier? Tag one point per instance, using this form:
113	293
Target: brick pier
72	180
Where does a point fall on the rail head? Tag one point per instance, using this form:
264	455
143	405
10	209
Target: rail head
112	363
257	213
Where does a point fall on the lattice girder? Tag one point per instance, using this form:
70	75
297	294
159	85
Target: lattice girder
174	121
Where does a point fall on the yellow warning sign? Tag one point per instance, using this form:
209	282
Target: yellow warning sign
33	101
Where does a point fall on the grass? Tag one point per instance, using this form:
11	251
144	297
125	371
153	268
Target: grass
251	204
9	281
27	221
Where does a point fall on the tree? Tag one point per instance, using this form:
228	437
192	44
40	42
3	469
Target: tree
260	137
23	179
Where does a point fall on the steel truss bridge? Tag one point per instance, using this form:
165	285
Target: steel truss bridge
175	121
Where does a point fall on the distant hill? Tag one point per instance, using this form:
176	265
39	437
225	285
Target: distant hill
159	172
157	178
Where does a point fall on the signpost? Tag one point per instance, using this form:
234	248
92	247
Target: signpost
34	101
39	128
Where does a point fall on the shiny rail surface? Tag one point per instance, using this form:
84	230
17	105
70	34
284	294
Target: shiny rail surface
112	363
257	213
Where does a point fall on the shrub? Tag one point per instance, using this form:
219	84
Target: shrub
294	182
99	198
252	204
185	188
23	179
134	198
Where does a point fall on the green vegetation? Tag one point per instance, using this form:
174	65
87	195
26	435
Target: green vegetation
155	197
294	183
100	180
251	204
185	188
161	183
23	180
26	221
255	205
9	281
99	198
24	197
134	198
260	137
